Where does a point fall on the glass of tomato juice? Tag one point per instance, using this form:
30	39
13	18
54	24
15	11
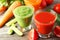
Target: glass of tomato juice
44	22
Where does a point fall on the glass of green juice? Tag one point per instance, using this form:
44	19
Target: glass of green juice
23	15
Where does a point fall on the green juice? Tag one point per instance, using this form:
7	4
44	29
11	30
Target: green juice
23	15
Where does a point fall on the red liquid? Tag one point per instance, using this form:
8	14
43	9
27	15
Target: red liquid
57	31
44	22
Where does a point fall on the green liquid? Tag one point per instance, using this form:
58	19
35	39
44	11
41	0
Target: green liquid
23	15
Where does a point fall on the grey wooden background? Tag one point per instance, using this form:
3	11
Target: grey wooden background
5	36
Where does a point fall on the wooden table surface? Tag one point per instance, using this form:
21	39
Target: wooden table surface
5	36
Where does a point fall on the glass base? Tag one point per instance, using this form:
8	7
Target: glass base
44	35
26	29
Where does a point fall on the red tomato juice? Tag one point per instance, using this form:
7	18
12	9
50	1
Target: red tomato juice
44	22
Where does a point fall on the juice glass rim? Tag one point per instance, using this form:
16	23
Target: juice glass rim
45	23
28	14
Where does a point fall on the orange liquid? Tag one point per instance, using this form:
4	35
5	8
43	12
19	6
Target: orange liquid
34	3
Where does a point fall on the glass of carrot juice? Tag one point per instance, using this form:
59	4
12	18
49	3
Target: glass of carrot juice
34	3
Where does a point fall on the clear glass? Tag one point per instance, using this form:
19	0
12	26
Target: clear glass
44	29
25	20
